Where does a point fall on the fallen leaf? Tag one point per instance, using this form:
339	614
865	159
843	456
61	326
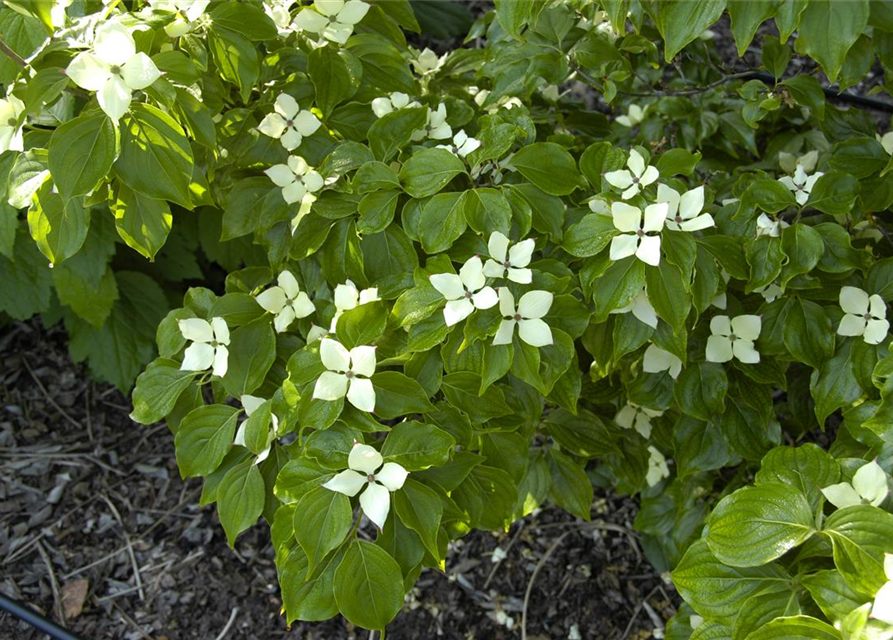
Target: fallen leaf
74	594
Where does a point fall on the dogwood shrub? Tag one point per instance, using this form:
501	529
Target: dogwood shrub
581	250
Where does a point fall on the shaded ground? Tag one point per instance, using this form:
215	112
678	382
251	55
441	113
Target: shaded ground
98	530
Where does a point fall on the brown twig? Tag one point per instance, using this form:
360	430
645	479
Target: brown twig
54	584
43	389
229	623
506	550
136	569
12	55
636	612
533	576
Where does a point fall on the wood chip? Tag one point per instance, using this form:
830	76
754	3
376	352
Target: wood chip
74	593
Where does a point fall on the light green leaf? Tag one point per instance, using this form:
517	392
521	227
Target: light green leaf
81	153
157	390
428	171
59	228
420	509
322	521
142	222
204	437
681	22
828	29
240	499
417	446
368	586
549	166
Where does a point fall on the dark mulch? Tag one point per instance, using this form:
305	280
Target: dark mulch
98	530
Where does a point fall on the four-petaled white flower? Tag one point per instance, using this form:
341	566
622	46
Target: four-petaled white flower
641	308
348	297
528	315
10	128
427	62
636	227
278	12
288	123
865	315
789	162
394	102
251	404
187	12
869	486
635	416
209	345
464	292
801	184
296	178
684	211
113	69
734	338
767	226
512	262
634	115
375	501
462	145
635	178
657	467
342	378
882	608
332	19
657	360
436	127
286	302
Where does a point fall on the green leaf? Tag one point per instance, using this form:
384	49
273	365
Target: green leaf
368	586
584	434
487	210
765	257
398	395
621	282
25	283
831	592
834	385
322	521
252	350
513	15
417	446
678	162
336	74
307	596
795	628
81	153
756	525
91	301
235	58
701	389
549	166
827	31
860	536
770	196
776	55
807	467
442	221
600	158
834	193
667	294
808	333
157	390
681	22
859	157
807	92
156	158
204	438
716	590
589	236
803	247
462	390
570	487
392	132
247	19
58	228
362	325
240	499
420	509
142	222
377	211
746	17
428	171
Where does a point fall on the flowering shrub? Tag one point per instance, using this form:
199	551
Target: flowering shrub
456	291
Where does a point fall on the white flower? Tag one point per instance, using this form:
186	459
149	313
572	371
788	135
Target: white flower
396	101
767	226
427	62
464	292
886	141
801	184
436	127
348	297
633	116
342	378
788	162
462	144
113	69
636	227
733	338
657	360
278	12
635	178
332	19
770	292
10	128
296	179
657	467
512	261
288	123
208	348
364	461
869	487
882	609
532	306
286	302
864	316
251	404
187	12
684	211
641	309
634	416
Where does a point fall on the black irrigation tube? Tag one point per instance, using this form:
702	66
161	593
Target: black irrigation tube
36	620
831	94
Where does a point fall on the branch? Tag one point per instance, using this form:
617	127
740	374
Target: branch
668	92
12	55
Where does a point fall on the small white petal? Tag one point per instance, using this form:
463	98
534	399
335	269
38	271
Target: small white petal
535	304
649	250
746	326
196	329
338	32
854	300
302	305
627	218
636	162
655	215
456	311
286	106
622	246
626	417
198	357
472	274
851	325
486	298
498	246
719	349
221	330
113	43
493	269
622	179
221	361
310	20
870	482
330	386
535	332
347	295
306	123
348	482
273	125
376	503
505	332
521	276
353	12
114	97
293	192
139	72
364	459
745	352
361	394
650	176
284	319
251	403
521	253
721	326
272	300
281	175
842	495
392	476
448	284
876	331
362	360
334	356
88	72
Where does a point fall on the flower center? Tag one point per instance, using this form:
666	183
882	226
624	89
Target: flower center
640	233
506	264
370	477
12	122
635	180
290	122
517	317
348	374
732	337
115	69
678	219
468	295
868	316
